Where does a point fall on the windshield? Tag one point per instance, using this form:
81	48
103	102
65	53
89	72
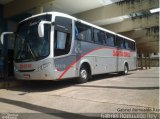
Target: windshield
28	45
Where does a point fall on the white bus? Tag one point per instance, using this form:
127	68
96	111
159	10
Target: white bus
56	46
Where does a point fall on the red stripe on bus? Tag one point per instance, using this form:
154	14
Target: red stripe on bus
78	60
117	54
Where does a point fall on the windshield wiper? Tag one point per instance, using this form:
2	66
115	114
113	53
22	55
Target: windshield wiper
22	48
33	54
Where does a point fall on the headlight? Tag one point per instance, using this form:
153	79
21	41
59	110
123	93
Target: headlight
43	66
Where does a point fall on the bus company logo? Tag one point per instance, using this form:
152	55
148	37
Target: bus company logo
25	66
121	53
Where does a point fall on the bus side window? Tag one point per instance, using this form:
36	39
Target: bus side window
132	45
120	42
99	37
126	44
110	40
83	32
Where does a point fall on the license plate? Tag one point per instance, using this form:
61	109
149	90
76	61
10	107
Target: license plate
26	76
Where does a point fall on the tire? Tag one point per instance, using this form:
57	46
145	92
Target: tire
125	72
84	75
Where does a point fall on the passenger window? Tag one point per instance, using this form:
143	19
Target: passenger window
120	42
132	45
110	40
83	32
126	44
99	37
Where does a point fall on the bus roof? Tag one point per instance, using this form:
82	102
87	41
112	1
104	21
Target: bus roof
87	23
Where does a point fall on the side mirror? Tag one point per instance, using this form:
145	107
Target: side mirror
41	28
3	34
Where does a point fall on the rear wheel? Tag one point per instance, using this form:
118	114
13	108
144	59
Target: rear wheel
125	72
84	75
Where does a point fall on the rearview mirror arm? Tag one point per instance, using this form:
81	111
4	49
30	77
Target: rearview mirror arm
3	34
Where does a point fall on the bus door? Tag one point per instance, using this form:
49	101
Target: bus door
62	45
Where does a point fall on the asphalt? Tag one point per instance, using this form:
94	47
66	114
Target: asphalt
103	96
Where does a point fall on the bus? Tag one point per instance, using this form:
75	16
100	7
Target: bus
57	46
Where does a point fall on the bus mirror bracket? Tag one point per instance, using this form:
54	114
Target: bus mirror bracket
41	28
3	34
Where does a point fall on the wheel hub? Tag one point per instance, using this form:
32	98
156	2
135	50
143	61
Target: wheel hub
126	70
84	74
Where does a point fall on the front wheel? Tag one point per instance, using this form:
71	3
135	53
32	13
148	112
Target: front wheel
84	75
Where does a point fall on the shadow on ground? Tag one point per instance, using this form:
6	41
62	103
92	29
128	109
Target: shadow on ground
49	111
43	86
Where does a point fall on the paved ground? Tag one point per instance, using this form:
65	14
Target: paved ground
109	93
